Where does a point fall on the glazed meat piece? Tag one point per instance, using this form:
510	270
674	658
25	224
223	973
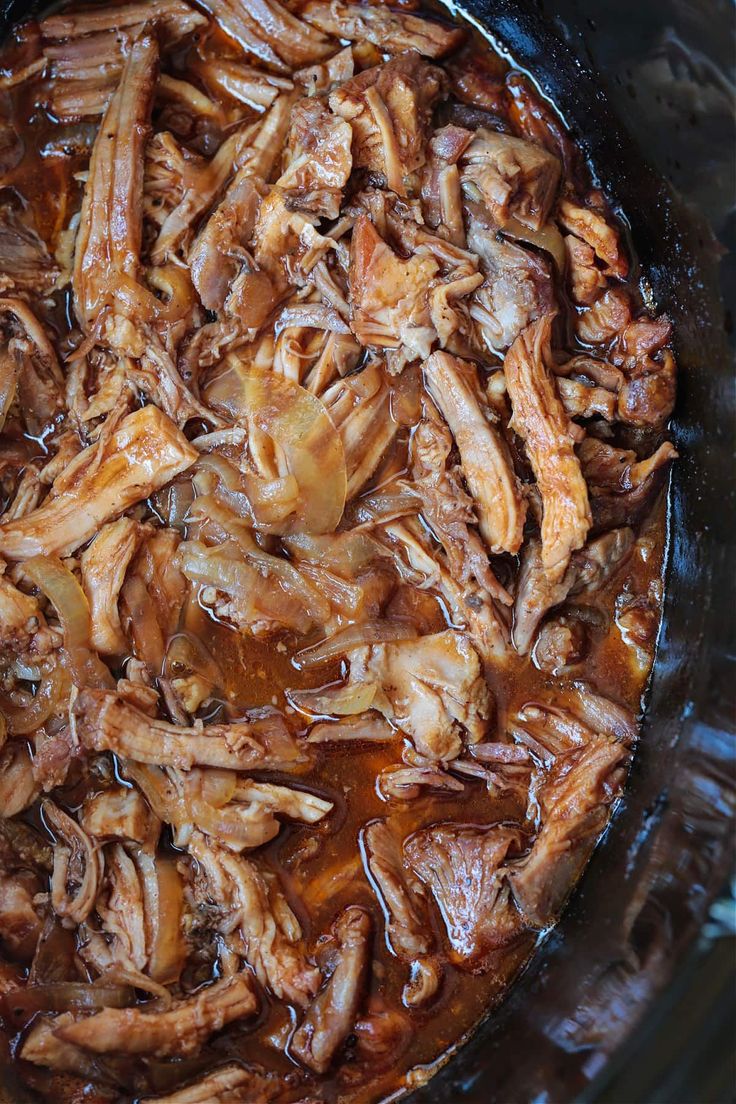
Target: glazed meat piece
393	31
144	453
219	1087
269	31
107	250
517	289
320	159
448	509
589	569
539	419
463	867
258	921
106	722
575	801
408	929
432	689
331	1015
389	295
389	109
515	179
484	455
176	1032
104	564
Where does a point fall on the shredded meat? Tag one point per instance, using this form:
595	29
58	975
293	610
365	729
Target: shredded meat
333	442
145	452
514	178
540	420
106	722
484	456
389	110
176	1032
394	31
331	1015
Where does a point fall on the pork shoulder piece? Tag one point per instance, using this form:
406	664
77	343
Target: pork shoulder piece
540	420
319	159
388	295
447	508
462	866
107	264
174	17
216	255
484	456
106	722
179	1031
518	286
389	108
257	920
590	226
514	178
392	31
143	454
589	569
269	31
433	690
401	895
331	1015
104	564
575	803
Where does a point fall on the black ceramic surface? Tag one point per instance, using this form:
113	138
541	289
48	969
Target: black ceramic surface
573	1020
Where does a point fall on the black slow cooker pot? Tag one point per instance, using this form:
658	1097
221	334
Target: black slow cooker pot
592	1017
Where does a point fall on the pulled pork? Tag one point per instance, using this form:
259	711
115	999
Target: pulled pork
332	448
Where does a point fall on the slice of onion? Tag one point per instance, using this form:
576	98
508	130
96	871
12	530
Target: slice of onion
50	697
20	1005
56	582
303	434
353	636
548	237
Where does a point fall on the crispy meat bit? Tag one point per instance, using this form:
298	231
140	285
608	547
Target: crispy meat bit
540	420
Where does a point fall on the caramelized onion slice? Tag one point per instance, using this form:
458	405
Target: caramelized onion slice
302	431
353	636
56	582
19	1006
